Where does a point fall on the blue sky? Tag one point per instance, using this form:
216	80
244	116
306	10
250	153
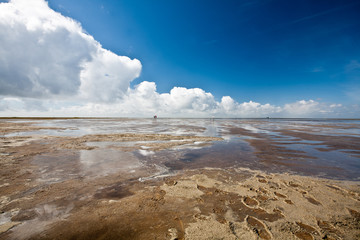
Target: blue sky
244	58
266	51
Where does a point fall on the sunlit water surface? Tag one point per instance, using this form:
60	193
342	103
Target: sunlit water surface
315	156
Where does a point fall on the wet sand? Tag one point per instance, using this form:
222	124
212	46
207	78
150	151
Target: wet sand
190	179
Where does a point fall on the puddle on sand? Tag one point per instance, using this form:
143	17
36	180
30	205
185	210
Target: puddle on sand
219	155
102	162
57	167
236	152
230	152
335	163
65	164
41	217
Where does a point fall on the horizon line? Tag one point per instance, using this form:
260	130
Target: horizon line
54	118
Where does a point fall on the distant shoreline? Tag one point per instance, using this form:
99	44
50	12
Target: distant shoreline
219	118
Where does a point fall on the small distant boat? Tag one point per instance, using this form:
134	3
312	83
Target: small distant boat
155	117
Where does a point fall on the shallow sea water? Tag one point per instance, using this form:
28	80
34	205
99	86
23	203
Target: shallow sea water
301	146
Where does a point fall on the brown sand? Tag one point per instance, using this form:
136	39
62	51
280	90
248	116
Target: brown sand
7	127
209	203
203	204
156	141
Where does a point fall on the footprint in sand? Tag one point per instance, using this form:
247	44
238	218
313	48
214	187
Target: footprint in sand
273	185
288	201
263	190
304	235
306	232
334	187
280	195
250	201
262	198
294	185
355	214
258	227
345	192
307	228
312	200
297	187
262	180
327	228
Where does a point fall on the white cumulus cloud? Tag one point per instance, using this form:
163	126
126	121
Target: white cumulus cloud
312	108
50	66
302	107
44	54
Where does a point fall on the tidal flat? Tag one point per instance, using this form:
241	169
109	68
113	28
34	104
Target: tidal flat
125	178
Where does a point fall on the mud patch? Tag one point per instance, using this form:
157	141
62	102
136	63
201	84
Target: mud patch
116	191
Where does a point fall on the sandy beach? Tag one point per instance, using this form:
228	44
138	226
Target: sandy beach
179	179
179	120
